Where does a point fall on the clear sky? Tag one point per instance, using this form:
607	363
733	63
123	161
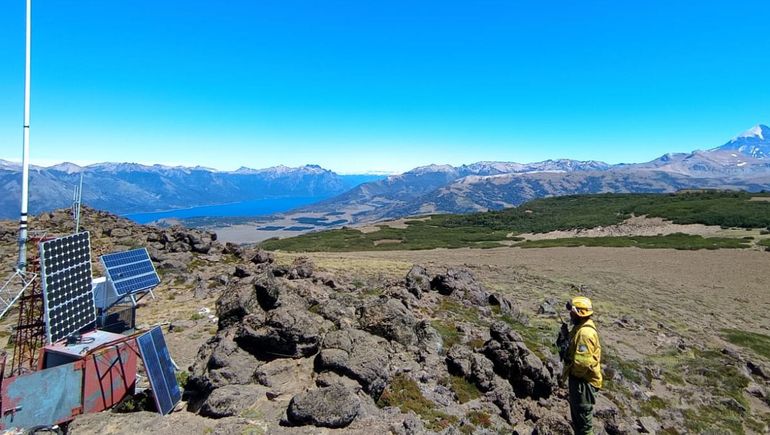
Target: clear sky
361	86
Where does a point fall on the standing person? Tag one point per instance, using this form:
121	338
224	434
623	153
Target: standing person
582	365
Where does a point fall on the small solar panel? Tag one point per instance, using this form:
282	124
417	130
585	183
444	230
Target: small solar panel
131	271
160	370
67	292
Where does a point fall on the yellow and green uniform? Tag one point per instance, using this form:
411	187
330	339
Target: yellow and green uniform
583	368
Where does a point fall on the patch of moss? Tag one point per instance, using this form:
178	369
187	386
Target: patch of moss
476	343
712	371
448	332
629	369
759	343
403	392
463	389
182	377
479	418
712	417
653	405
460	311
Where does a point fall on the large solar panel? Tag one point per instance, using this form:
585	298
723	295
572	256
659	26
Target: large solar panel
130	271
67	292
160	370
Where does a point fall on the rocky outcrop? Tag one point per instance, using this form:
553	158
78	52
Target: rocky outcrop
528	375
334	350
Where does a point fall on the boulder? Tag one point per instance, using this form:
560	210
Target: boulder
275	292
301	267
231	400
235	303
178	247
241	272
548	308
358	355
508	307
201	248
285	332
417	281
220	362
232	249
343	316
552	424
474	367
173	265
262	257
428	339
515	362
119	232
333	407
390	319
462	284
648	425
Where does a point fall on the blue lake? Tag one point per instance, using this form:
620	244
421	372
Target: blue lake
258	207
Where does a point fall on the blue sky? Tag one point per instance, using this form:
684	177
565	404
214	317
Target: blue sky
381	86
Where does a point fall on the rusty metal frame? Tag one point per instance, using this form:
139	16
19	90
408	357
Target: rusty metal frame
30	327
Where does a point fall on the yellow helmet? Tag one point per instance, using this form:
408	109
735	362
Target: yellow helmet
581	306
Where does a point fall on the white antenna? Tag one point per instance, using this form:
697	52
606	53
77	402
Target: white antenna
20	280
76	200
22	264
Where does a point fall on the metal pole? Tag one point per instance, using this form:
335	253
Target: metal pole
22	264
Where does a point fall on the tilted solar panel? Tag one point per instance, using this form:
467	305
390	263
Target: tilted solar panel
160	370
130	271
67	293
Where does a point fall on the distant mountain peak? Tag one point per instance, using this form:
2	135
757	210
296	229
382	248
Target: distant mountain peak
754	142
759	131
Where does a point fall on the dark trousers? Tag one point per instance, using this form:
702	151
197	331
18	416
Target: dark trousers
581	405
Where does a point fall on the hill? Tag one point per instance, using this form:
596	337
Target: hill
579	212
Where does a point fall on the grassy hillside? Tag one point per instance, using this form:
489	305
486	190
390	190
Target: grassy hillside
485	230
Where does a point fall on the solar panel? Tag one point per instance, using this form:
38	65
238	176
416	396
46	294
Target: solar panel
67	292
160	370
130	271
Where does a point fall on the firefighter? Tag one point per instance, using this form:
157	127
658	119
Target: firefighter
582	365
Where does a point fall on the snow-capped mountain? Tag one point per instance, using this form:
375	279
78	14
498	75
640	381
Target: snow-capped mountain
742	163
754	142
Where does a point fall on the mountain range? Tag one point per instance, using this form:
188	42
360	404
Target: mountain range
741	163
130	187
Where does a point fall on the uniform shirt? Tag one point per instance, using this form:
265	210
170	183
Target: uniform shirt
584	354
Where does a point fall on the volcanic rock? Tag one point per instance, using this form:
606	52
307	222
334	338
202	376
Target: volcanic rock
417	281
334	407
390	319
515	362
358	355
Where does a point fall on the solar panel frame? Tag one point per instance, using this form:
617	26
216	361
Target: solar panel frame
160	370
131	271
68	297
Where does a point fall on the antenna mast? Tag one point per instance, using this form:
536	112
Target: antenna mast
22	264
76	200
